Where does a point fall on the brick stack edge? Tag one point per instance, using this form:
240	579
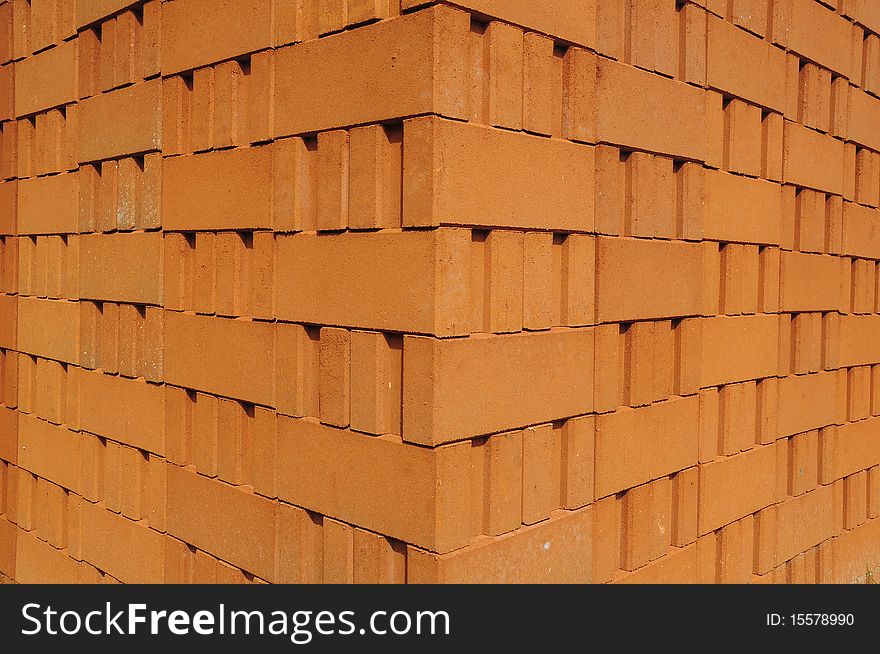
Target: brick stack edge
403	291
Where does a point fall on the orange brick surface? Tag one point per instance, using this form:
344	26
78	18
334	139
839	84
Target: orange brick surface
422	291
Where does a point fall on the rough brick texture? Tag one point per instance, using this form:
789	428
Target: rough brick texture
408	291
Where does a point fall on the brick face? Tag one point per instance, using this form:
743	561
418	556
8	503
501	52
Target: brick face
439	292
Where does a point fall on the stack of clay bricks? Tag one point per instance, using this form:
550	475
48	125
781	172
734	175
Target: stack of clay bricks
411	291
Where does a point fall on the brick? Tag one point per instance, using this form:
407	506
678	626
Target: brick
819	34
743	65
49	451
455	173
736	486
188	44
8	207
803	462
864	110
861	231
9	438
546	376
855	448
49	328
807	402
375	169
135	113
504	479
505	75
218	190
737	411
735	552
855	552
804	522
765	540
638	445
503	279
376	371
857	345
48	205
121	267
541	114
540	475
335	376
803	146
737	348
333	171
855	496
197	355
555	551
649	199
321	468
413	267
680	566
579	83
199	508
809	282
768	298
626	96
126	410
9	326
740	276
108	539
357	71
641	279
38	562
90	12
47	79
377	560
741	209
574	22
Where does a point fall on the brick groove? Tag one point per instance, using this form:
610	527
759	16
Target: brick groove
404	291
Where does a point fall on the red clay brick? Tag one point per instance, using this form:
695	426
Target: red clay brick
676	110
857	345
741	209
46	80
320	468
197	356
122	267
48	205
736	348
803	145
571	21
218	190
855	552
421	278
189	44
107	539
679	567
201	508
817	33
809	282
126	410
134	111
638	445
556	551
807	402
357	70
628	270
546	376
455	173
803	522
736	486
49	328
